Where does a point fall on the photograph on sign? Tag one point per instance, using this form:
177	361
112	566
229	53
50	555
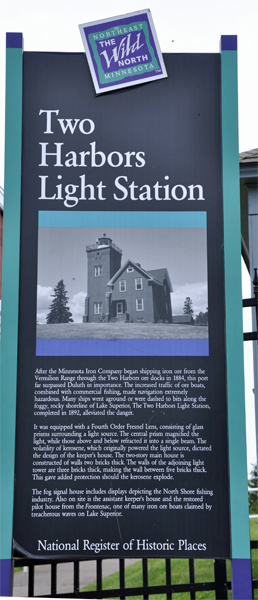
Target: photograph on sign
112	295
123	51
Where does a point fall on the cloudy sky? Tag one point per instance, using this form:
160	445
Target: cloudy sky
184	26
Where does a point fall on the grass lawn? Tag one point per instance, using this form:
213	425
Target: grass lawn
204	571
120	331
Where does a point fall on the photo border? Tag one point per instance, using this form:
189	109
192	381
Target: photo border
122	347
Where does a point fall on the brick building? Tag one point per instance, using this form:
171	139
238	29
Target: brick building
126	293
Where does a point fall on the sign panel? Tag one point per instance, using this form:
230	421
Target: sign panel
123	51
121	446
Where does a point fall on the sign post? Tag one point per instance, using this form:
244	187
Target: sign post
127	434
241	559
10	297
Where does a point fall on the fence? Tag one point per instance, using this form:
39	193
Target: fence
220	585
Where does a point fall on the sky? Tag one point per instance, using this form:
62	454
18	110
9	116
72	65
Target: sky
182	27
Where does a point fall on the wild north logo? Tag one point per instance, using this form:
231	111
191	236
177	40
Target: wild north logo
123	51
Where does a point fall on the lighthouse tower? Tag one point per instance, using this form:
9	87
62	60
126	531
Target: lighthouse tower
104	260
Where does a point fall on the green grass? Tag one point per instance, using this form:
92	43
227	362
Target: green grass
204	571
254	536
156	576
254	529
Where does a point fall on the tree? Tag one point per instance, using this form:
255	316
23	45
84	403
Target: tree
59	311
202	318
253	496
188	307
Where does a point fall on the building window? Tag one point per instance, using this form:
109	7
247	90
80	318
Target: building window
98	271
138	283
139	304
119	308
122	285
97	308
129	269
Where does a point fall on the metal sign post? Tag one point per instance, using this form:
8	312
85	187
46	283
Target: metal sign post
240	536
10	297
147	194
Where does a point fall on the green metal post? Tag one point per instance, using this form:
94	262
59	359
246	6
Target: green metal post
240	536
10	299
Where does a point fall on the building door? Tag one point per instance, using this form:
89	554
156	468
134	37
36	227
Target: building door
119	309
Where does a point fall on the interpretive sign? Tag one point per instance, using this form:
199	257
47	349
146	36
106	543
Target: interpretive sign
123	51
121	446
